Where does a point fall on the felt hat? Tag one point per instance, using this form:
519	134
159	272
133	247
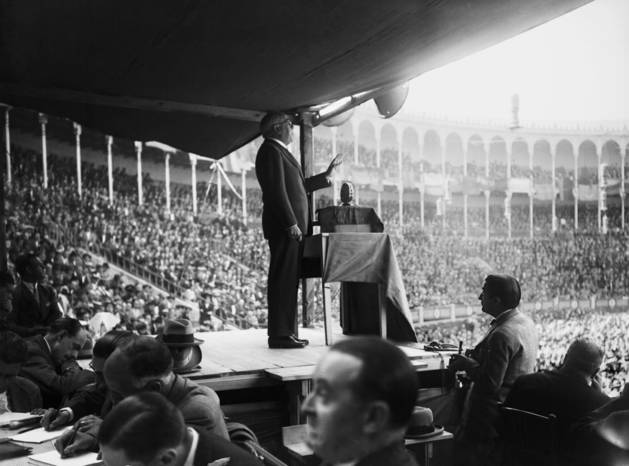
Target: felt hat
178	335
422	424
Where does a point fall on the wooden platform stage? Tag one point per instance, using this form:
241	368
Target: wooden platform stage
264	388
241	359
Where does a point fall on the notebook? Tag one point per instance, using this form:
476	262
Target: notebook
37	436
5	418
52	458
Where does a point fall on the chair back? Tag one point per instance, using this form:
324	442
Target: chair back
528	438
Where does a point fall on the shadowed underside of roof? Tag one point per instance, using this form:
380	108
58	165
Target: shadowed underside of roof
198	74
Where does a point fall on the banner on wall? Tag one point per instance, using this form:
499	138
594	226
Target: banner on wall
520	185
588	192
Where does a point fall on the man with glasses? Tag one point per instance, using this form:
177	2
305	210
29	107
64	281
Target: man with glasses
284	223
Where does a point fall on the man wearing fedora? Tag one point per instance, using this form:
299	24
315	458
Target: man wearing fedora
508	351
361	404
185	349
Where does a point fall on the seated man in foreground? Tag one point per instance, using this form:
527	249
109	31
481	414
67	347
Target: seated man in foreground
569	392
17	394
51	361
508	350
363	397
146	429
145	364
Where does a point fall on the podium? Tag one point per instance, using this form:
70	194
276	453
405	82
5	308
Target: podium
361	257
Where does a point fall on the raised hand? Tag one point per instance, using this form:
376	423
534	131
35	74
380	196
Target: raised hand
336	161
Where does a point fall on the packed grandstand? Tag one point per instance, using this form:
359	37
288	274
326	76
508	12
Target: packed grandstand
212	267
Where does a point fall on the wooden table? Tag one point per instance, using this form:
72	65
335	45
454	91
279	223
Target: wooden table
294	440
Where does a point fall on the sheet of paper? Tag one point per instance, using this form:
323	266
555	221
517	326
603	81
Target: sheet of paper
54	459
5	418
37	436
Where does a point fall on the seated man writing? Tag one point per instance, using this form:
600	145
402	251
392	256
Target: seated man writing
146	429
145	364
51	361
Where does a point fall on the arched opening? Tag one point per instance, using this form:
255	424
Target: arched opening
565	179
476	160
498	174
587	178
454	174
410	176
611	162
389	144
542	187
521	174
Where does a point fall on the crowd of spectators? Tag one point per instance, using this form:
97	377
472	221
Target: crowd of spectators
219	263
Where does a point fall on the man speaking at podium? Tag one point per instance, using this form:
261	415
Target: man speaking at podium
285	220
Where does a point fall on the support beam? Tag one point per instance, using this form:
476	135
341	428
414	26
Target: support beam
575	191
77	136
306	149
3	232
243	189
465	225
7	141
400	185
335	191
138	152
167	180
135	103
623	156
110	168
193	181
378	164
44	149
219	189
553	206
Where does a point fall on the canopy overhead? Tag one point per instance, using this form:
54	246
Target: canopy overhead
198	75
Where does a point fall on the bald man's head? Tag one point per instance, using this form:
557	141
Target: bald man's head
584	356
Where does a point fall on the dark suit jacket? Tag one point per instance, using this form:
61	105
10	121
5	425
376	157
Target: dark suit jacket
559	392
211	447
28	313
393	455
54	382
23	395
284	190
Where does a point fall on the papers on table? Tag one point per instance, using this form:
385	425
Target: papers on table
5	418
52	458
39	435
